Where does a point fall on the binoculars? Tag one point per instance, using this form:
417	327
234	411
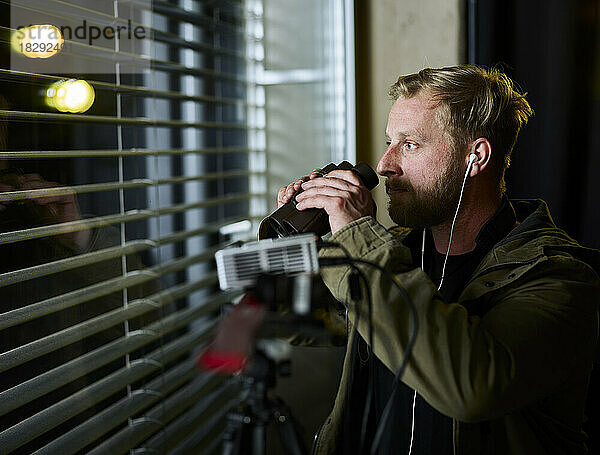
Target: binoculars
288	220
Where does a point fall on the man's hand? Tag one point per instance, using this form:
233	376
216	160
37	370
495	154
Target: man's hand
341	193
286	192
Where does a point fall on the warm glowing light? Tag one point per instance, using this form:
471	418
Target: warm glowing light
73	95
37	41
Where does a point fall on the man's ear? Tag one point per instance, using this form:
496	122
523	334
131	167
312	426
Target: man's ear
482	148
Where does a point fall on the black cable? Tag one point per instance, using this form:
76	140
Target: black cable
386	412
370	383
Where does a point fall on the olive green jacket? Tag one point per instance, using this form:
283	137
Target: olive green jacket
510	361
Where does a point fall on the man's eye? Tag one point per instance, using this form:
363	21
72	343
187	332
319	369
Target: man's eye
410	146
388	143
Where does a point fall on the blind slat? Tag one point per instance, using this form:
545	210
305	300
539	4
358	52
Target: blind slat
157	417
70	299
98	425
107	220
192	17
139	121
76	368
111	186
206	229
110	20
89	51
83	51
61	265
72	226
63	374
207	431
169	38
198	419
73	298
135	246
33	154
142	91
78	402
208	445
62	338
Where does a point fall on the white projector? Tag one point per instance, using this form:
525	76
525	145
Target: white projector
239	267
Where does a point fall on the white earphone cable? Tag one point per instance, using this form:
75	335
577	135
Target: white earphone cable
423	252
412	425
462	189
414	401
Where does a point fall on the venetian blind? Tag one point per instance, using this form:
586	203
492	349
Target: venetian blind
110	218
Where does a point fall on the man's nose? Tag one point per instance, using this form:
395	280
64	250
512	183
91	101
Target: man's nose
389	164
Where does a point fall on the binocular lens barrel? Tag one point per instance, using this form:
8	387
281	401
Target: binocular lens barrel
287	220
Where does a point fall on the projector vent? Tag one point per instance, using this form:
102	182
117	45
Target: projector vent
239	267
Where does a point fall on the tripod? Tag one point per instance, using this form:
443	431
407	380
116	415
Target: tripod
246	425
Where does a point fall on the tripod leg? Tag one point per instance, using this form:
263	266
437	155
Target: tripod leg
232	435
286	426
258	439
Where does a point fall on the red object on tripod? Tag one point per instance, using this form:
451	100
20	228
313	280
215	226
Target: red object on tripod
232	346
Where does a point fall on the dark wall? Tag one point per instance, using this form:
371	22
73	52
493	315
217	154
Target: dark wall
551	48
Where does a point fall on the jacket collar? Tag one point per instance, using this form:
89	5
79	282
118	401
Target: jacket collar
492	232
534	226
527	243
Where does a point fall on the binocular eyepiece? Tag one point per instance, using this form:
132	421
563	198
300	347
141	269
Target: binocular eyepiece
288	220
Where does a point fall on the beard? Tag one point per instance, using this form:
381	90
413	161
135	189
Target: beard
420	208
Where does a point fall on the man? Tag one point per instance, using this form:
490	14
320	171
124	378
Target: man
506	301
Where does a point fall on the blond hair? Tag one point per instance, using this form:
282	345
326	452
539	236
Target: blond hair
475	102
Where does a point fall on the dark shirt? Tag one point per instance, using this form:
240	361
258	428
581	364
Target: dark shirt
432	430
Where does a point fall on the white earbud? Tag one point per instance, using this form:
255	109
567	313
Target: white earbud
472	158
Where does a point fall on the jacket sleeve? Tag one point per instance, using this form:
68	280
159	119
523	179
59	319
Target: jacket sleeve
467	367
